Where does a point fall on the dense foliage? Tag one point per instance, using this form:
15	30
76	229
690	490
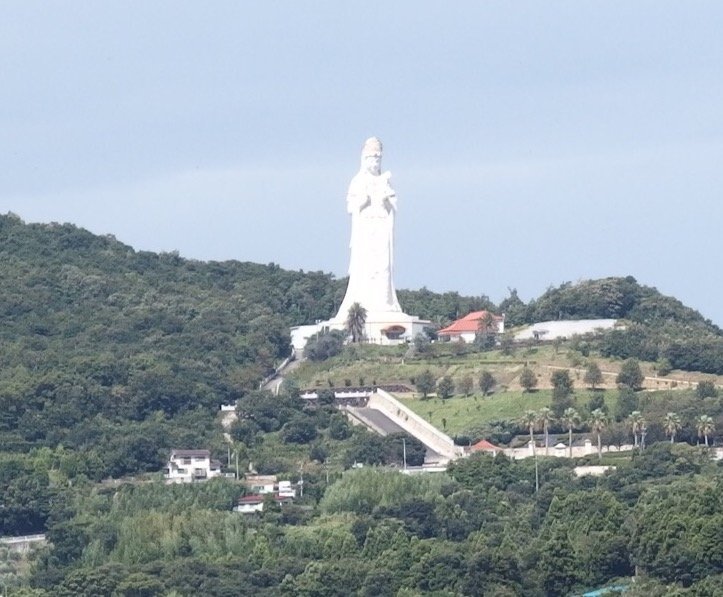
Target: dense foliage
112	357
480	530
657	327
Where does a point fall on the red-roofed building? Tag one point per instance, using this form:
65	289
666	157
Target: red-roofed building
484	446
467	328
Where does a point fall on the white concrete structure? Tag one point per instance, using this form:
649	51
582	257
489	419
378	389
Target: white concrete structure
372	204
187	466
415	425
552	330
592	470
561	450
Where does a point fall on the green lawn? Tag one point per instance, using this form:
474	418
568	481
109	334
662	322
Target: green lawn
462	414
374	365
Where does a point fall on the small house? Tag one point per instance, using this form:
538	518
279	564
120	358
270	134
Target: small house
467	328
188	466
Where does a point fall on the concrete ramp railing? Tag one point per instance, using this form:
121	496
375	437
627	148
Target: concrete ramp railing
415	425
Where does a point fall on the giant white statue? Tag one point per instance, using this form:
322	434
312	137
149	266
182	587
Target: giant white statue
372	203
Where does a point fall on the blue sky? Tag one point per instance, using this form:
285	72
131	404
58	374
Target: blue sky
530	143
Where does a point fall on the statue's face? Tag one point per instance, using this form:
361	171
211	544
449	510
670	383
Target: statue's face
373	163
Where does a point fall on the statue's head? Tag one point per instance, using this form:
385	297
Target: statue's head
372	156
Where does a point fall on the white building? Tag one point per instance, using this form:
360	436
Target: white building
262	488
564	329
187	466
251	504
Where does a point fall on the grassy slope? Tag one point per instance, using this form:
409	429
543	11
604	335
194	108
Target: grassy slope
373	364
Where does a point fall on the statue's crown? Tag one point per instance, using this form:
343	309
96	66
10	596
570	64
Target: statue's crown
372	146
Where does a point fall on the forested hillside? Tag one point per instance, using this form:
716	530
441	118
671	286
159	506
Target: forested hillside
658	327
111	357
133	351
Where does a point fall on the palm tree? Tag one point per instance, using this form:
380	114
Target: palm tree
705	426
598	421
529	420
672	425
637	423
570	418
355	321
544	418
486	330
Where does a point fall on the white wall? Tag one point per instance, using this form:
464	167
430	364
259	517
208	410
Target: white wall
415	425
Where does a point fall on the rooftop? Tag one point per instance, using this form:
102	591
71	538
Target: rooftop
470	323
484	446
190	454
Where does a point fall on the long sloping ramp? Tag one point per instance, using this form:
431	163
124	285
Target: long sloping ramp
384	414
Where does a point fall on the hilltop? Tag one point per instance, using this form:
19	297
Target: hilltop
99	340
111	357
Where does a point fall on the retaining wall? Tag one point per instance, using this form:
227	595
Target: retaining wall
415	425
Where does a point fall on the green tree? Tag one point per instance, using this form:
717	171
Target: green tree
300	430
529	421
706	389
139	584
465	385
593	375
507	344
487	383
664	367
422	345
528	379
486	331
630	374
445	387
598	421
626	403
562	385
557	564
672	425
324	346
571	419
637	424
425	383
705	426
544	417
355	321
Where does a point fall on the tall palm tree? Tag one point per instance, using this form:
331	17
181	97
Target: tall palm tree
544	418
598	421
570	418
636	422
705	426
672	425
355	321
529	420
